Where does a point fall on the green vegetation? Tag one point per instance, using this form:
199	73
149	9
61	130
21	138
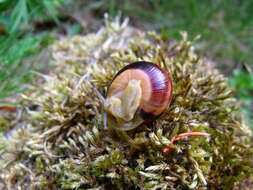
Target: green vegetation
64	136
13	73
18	44
225	27
55	138
18	14
243	83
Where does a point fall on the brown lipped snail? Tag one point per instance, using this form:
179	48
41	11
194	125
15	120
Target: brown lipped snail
139	92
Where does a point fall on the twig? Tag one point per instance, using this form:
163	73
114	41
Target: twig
182	135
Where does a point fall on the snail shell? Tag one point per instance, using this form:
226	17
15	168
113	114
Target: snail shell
140	91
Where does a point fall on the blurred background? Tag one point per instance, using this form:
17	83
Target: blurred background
28	27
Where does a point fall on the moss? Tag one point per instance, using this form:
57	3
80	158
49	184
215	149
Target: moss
62	143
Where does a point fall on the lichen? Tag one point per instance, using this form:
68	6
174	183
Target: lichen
63	144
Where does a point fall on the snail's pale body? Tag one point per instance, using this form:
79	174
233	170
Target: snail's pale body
125	103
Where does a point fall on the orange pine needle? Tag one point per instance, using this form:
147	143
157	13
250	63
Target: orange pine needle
182	135
7	108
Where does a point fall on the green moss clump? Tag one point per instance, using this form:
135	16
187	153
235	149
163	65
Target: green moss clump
62	142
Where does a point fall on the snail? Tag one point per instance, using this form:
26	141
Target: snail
139	92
